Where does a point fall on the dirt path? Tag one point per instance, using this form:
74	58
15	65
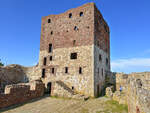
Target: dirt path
59	105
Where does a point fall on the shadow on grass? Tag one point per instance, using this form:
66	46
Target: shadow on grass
21	104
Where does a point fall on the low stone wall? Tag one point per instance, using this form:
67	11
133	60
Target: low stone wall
135	93
138	97
13	74
122	80
19	93
121	97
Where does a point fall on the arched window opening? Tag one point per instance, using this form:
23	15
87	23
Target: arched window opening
70	15
81	13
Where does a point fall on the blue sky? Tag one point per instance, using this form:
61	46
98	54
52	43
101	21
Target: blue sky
129	22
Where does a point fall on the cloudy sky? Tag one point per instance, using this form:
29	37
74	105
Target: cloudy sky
129	22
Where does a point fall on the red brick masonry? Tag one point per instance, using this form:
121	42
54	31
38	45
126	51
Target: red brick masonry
19	93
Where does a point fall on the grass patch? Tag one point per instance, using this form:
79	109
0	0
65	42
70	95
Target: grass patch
112	106
64	98
105	96
116	107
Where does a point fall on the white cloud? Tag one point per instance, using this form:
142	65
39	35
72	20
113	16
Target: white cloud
131	65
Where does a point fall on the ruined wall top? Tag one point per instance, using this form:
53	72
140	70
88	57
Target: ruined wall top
75	27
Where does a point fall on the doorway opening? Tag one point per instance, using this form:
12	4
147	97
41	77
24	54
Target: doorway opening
49	87
98	90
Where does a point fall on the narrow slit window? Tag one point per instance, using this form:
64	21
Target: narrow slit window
50	48
106	61
66	69
102	71
100	57
80	70
51	58
74	42
98	43
53	70
44	62
73	56
43	73
105	27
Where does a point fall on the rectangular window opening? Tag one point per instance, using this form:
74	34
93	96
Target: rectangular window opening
51	58
73	56
43	73
80	70
53	70
66	69
106	61
74	42
50	48
44	62
100	58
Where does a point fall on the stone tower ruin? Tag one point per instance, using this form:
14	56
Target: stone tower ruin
75	49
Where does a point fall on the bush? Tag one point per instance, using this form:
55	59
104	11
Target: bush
1	64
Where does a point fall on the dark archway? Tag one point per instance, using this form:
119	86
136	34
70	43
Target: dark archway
49	87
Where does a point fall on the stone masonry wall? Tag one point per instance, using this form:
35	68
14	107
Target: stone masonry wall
75	31
122	80
19	93
138	94
83	83
32	73
136	91
69	34
101	52
13	74
100	70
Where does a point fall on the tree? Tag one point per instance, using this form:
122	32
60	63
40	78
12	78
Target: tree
1	64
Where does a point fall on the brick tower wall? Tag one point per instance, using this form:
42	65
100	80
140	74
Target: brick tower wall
76	31
69	35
